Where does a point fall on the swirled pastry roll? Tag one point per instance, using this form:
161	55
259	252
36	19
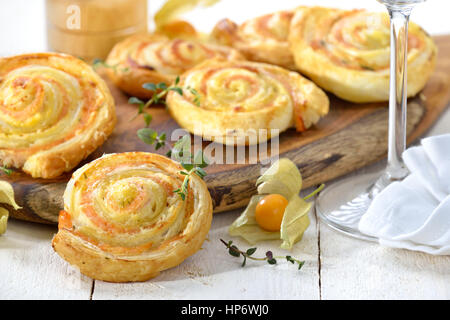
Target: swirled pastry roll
263	39
122	220
54	111
235	99
348	52
156	58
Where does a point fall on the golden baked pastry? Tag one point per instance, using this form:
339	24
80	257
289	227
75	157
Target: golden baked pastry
156	58
54	111
235	99
122	220
263	39
348	52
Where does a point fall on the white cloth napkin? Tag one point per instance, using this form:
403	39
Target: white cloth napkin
415	213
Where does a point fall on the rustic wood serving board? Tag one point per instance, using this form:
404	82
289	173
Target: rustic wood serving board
349	137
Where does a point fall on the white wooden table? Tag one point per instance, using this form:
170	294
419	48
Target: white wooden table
337	267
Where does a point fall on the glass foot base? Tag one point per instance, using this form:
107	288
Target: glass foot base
342	204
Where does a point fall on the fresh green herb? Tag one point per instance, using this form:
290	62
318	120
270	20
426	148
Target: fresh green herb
6	170
181	150
160	90
367	68
99	63
197	96
312	194
248	254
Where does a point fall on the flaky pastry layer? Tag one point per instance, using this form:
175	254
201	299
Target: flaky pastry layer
242	103
347	52
54	111
156	58
263	39
122	220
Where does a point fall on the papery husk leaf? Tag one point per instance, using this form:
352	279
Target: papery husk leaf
283	177
295	222
7	195
173	9
3	220
246	226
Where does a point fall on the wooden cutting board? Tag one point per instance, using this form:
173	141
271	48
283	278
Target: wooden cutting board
349	137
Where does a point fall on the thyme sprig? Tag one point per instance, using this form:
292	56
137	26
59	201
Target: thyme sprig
160	90
6	170
99	63
181	150
234	251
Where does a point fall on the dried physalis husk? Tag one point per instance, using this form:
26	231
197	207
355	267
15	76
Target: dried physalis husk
7	197
285	179
168	22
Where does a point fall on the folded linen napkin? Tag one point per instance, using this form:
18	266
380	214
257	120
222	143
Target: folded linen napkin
415	213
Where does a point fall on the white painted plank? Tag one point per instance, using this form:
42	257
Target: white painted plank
30	269
213	274
350	268
353	269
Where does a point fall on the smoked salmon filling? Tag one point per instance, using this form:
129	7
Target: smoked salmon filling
122	220
347	52
156	58
231	100
54	111
263	39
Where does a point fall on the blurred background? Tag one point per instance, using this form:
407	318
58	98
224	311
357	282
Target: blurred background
23	22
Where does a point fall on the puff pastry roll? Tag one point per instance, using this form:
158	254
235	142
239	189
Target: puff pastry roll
54	111
348	52
235	99
156	58
263	39
123	222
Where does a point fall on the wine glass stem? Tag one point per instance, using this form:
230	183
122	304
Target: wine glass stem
399	15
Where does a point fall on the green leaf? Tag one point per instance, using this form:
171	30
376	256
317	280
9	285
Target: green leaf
149	86
97	61
134	100
243	262
181	150
6	170
200	172
200	160
147	119
185	184
177	90
234	251
251	251
162	86
147	135
272	261
177	80
289	258
300	264
159	145
187	166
